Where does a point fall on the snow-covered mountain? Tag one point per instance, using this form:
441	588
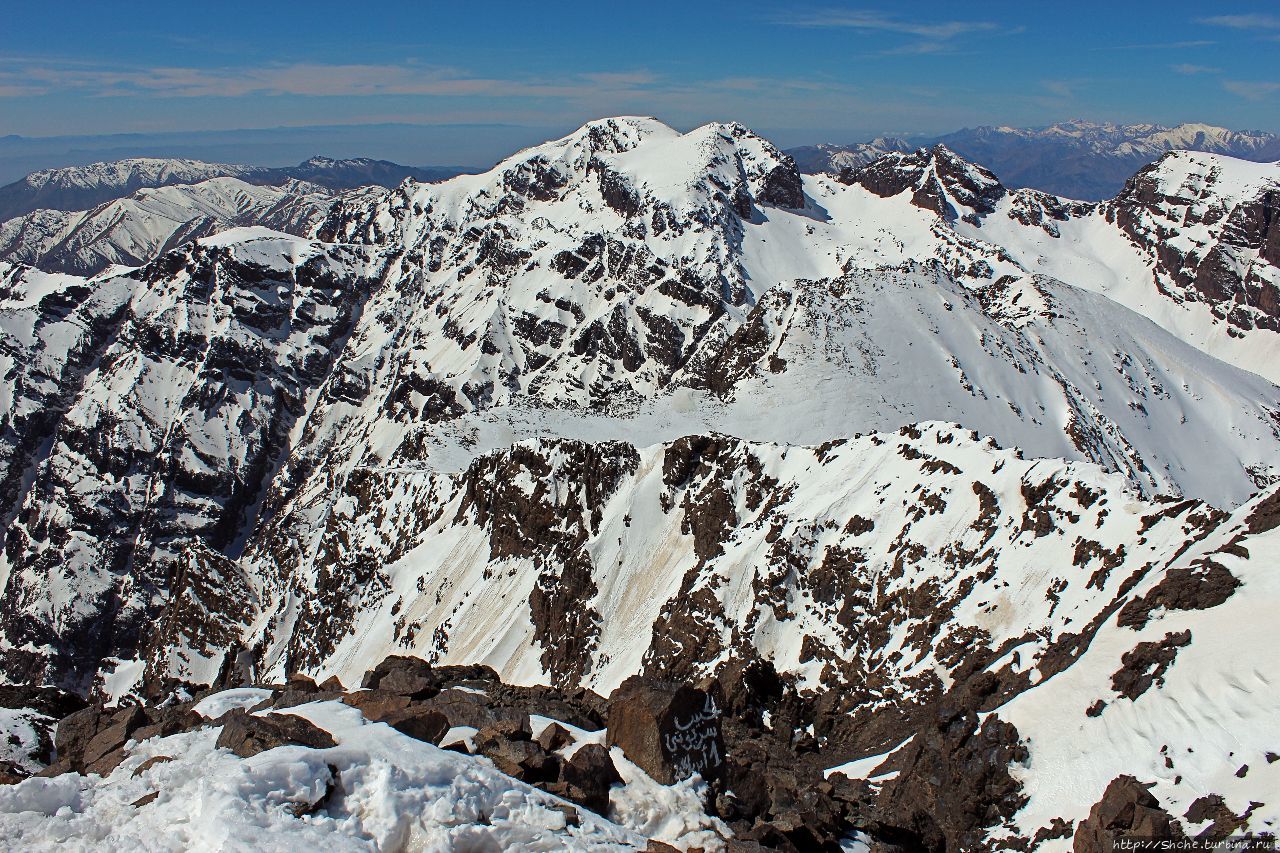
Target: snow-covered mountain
829	158
1147	140
1075	159
76	188
138	228
643	402
84	187
1189	243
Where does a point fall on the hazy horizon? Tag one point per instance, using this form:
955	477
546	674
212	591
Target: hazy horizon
466	91
474	146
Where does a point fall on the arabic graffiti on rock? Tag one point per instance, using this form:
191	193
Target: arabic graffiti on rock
691	739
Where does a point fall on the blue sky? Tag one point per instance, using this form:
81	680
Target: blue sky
800	73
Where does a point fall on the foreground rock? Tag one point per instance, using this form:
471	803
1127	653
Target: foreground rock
247	735
93	739
669	731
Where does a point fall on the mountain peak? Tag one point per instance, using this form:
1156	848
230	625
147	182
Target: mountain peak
939	179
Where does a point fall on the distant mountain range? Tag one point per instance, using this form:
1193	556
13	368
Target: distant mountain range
85	187
145	224
1075	159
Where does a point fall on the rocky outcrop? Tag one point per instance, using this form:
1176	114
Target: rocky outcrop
1127	810
1232	263
1193	588
957	779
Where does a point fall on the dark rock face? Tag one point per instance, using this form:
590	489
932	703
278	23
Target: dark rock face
403	676
617	192
425	724
92	740
1196	588
782	186
954	781
1127	809
669	731
249	375
1266	513
246	734
1233	271
1146	664
49	701
777	797
935	177
1225	822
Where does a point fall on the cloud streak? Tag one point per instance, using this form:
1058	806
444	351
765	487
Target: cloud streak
930	36
1191	69
1253	90
881	22
1244	22
298	79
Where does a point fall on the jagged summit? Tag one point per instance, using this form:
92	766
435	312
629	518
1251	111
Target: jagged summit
632	156
939	180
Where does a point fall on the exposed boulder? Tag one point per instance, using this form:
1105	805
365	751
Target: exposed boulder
554	737
587	777
425	724
1127	809
92	739
169	720
509	744
402	675
376	704
670	731
464	708
246	734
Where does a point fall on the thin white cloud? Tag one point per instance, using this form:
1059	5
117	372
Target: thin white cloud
1253	90
1191	69
1164	45
530	99
298	79
880	21
1061	88
930	36
1244	22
